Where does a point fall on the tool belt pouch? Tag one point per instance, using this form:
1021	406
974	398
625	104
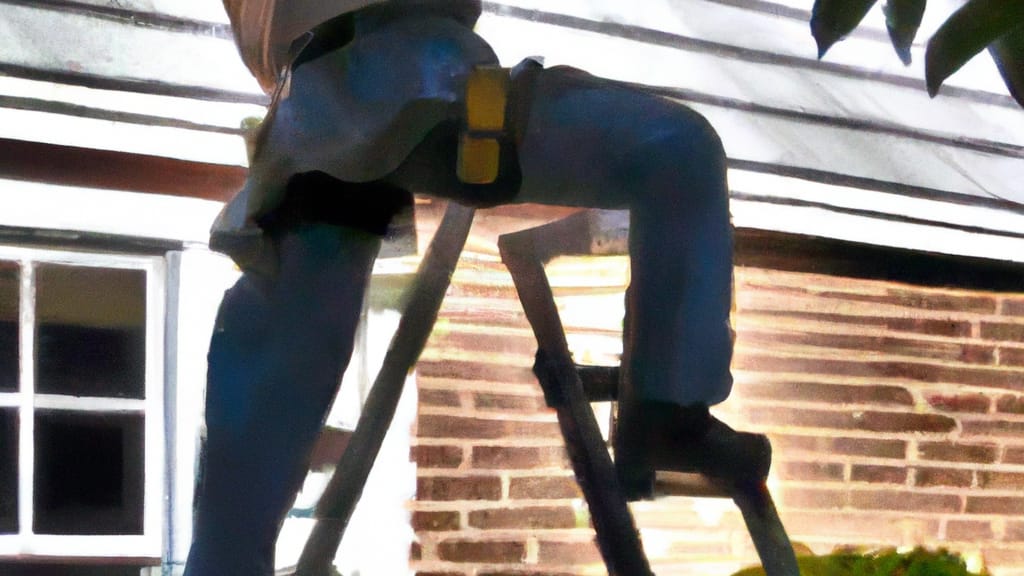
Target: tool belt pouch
480	141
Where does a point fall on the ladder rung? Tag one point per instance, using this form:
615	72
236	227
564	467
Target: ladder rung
600	383
667	483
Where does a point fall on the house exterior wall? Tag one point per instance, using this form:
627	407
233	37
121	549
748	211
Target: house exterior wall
152	97
894	410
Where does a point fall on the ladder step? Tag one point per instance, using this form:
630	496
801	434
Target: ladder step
600	383
668	483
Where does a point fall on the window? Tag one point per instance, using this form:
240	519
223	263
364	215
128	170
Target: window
81	372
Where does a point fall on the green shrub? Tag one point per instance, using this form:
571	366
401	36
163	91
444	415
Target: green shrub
887	562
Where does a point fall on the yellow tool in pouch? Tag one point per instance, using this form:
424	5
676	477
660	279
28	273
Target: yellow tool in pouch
479	146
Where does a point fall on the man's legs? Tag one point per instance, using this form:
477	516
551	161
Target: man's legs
594	143
278	351
590	142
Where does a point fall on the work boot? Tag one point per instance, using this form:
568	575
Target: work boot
655	436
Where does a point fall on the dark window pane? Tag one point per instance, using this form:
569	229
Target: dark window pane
8	471
91	334
89	473
9	283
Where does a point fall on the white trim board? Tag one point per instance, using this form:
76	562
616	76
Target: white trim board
52	207
201	112
732	24
807	89
198	10
129	137
824	223
41	38
773	188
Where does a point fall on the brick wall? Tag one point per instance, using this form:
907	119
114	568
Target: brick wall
896	411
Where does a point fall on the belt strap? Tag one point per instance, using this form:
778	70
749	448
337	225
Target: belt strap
479	145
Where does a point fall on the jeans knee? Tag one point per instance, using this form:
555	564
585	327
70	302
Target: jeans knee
687	178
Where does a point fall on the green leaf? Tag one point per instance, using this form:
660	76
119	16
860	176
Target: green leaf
831	20
903	18
1008	52
969	30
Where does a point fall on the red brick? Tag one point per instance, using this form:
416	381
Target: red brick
487	343
952	477
878	474
929	326
416	553
977	354
1014	455
904	297
969	531
533	518
889	345
438	426
490	552
869	420
432	573
1010	404
424	521
444	398
959	402
808	471
1002	331
905	422
1012	307
999	505
519	457
976	453
904	501
937	301
919	371
475	370
999	556
832	393
935	327
437	456
469	289
568	553
508	402
993	427
1014	531
448	488
871	447
1011	357
522	573
973	376
852	526
544	488
814	498
1001	480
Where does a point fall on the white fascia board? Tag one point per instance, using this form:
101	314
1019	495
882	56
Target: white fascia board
803	90
51	207
773	187
761	30
198	10
167	142
42	38
849	152
200	112
819	220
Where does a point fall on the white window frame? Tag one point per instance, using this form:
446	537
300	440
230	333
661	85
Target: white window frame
27	545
